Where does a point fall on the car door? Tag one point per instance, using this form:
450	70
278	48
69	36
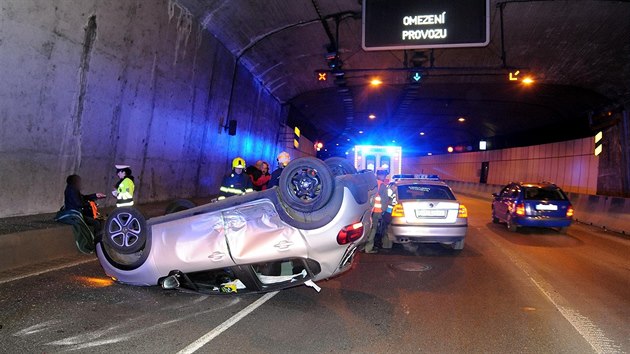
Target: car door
255	234
500	206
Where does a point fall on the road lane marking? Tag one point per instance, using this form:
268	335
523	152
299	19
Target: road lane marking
592	334
27	275
206	338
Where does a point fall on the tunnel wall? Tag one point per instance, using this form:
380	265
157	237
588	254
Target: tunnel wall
89	84
570	164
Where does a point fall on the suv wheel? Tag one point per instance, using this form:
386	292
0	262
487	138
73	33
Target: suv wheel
495	220
511	226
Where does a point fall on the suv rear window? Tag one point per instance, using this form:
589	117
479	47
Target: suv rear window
415	191
537	193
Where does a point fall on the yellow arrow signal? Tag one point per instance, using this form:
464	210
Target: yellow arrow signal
514	75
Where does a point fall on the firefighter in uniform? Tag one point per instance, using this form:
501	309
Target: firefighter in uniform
377	211
236	182
124	187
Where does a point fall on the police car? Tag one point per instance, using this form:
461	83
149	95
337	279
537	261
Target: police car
305	230
425	210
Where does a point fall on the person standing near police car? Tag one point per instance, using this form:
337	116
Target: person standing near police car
380	200
236	182
125	186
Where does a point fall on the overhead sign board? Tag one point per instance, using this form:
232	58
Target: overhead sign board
420	24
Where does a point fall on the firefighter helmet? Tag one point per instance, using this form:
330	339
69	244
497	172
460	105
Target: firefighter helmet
238	162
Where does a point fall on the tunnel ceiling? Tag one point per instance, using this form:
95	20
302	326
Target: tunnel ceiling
578	51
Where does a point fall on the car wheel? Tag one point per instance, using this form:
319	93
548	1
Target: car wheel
563	230
512	227
495	220
410	247
125	231
459	245
340	166
179	205
306	184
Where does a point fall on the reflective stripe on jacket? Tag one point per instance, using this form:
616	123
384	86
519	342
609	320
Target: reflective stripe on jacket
125	193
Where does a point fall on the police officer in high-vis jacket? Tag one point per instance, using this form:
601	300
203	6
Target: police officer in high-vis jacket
124	187
236	182
381	199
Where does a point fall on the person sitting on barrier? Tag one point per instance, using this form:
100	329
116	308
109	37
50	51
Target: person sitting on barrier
283	160
236	182
80	211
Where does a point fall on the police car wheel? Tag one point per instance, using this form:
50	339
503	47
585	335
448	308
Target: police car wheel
340	166
306	184
179	205
125	231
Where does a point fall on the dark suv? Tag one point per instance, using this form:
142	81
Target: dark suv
532	204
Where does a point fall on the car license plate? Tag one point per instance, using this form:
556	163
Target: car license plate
546	207
430	213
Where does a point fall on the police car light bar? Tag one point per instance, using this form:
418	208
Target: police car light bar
416	176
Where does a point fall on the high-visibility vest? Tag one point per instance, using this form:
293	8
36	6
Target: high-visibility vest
378	206
125	193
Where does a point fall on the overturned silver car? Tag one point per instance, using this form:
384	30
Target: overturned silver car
305	230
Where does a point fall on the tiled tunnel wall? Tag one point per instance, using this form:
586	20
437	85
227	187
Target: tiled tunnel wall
570	164
89	84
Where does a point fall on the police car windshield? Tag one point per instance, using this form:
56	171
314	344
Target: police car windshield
537	193
416	191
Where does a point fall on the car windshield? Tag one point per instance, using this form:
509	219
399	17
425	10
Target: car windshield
416	191
537	193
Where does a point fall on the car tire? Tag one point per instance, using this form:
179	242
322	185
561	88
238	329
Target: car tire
306	184
563	230
410	247
125	231
179	205
495	220
511	226
459	245
340	166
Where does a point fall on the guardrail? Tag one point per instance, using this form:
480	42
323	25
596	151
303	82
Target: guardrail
610	213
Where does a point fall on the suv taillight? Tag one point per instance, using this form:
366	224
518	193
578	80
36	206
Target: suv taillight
350	233
520	209
570	211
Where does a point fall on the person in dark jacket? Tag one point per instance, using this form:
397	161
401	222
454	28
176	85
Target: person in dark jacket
75	200
283	160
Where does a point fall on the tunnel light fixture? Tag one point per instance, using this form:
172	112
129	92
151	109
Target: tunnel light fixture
461	119
376	81
527	80
429	153
483	145
372	116
360	131
422	133
450	149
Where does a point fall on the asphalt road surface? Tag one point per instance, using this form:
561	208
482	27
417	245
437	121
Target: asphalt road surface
535	291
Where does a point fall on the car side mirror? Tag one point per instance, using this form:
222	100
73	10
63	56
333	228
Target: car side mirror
495	195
